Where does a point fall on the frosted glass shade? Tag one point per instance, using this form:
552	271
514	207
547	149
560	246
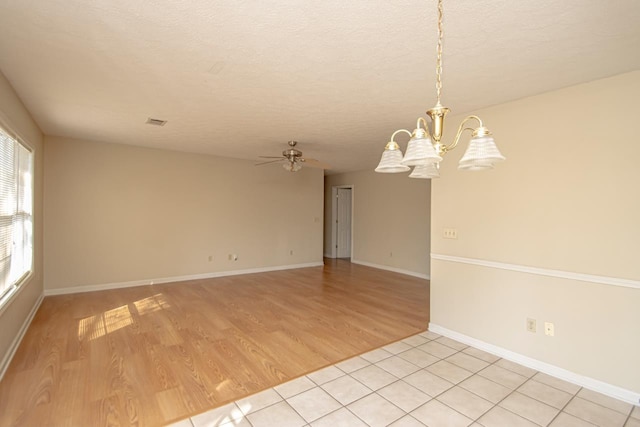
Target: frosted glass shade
481	154
390	162
419	152
475	166
292	166
427	171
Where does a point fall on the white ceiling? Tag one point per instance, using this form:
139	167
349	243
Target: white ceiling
239	78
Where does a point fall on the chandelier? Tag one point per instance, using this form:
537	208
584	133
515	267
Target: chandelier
425	149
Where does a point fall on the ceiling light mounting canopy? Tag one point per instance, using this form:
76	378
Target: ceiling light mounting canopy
425	149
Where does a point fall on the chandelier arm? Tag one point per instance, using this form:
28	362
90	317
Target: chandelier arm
473	117
399	131
392	144
461	129
424	122
421	120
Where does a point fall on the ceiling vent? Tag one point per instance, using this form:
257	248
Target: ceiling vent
156	122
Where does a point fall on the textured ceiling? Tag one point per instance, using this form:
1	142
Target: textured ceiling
239	78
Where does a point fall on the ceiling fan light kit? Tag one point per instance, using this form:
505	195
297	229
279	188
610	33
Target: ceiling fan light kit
425	149
292	166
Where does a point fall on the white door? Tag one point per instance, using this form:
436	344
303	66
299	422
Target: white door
343	240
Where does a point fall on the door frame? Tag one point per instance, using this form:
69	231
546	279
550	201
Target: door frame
334	217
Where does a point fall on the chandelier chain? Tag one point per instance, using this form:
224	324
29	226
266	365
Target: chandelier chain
439	54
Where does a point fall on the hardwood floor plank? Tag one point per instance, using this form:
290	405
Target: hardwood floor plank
154	354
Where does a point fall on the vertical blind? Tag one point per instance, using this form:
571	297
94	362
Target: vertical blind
16	210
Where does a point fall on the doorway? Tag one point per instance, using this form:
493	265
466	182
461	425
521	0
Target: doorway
342	224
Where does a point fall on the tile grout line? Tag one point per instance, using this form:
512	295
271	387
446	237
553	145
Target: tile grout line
476	420
306	423
373	391
245	417
394	382
488	379
603	406
567	404
512	391
531	378
457	351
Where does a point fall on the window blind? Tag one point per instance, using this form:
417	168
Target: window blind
16	212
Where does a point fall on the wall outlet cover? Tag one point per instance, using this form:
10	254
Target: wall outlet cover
549	329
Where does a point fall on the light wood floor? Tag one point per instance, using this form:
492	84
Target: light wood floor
154	354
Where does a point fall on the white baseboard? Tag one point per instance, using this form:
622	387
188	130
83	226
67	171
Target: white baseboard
120	285
328	256
586	382
394	269
6	360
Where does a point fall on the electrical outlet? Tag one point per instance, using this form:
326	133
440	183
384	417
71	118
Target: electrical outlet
235	257
531	325
548	329
450	233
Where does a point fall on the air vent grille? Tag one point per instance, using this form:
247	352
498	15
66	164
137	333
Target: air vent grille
156	122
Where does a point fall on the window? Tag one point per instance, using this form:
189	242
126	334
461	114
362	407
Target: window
16	213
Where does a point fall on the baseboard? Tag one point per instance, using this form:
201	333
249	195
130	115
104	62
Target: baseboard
121	285
394	269
586	382
6	360
328	256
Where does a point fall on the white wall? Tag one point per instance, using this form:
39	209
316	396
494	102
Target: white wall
568	199
117	213
14	115
391	217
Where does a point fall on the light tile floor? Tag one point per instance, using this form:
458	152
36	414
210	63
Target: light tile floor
424	380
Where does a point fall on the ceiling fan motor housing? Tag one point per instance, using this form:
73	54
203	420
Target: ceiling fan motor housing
292	153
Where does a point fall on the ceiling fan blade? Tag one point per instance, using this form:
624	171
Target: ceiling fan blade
270	161
271	157
313	163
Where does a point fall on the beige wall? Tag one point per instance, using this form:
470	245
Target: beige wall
567	198
116	213
390	219
15	116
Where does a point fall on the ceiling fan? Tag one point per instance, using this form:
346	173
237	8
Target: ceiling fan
293	159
